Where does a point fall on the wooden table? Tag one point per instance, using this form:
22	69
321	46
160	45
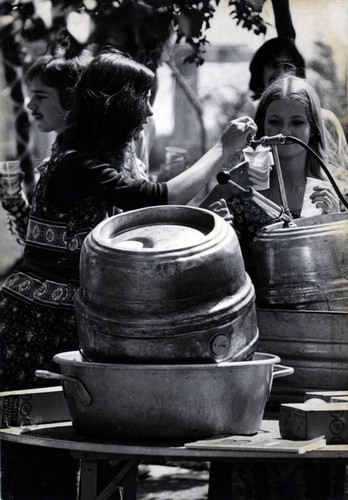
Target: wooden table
129	455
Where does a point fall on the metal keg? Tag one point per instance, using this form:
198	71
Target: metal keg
165	284
304	266
314	343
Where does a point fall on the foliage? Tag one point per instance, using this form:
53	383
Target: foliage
223	102
325	79
139	27
246	15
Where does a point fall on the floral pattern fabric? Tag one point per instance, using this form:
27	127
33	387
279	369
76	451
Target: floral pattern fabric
37	307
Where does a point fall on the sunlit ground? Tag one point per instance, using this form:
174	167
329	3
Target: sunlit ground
158	482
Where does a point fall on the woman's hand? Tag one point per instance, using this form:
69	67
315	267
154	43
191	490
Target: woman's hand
236	134
220	208
325	198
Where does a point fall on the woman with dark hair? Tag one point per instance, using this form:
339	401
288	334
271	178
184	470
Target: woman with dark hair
110	103
272	59
91	173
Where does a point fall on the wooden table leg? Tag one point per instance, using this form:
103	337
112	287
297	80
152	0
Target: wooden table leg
125	477
220	481
88	479
122	475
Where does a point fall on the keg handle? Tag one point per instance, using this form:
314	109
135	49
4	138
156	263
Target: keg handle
282	371
80	388
269	207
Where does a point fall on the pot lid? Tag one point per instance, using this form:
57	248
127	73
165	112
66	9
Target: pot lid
158	237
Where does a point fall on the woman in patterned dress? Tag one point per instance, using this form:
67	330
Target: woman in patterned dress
90	175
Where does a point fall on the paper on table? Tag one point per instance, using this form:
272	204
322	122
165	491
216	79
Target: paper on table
262	441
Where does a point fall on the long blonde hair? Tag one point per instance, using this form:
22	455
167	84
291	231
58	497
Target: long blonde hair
298	89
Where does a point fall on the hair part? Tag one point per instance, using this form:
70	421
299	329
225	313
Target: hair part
299	90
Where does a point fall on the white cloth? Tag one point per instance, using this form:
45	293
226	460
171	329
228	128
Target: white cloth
260	165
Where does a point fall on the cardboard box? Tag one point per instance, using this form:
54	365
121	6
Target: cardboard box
325	395
314	418
33	406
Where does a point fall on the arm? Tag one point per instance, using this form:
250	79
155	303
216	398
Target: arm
184	186
80	175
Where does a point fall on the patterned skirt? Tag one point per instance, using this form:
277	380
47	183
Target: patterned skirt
33	328
36	322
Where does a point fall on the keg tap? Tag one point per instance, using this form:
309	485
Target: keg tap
269	207
273	141
287	139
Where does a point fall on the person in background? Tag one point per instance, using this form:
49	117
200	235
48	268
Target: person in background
274	58
50	81
278	56
91	168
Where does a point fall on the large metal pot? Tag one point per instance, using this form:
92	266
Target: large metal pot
304	266
314	343
165	284
166	401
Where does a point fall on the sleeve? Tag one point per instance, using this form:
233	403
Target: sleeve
78	177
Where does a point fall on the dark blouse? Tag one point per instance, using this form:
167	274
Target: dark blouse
74	193
78	176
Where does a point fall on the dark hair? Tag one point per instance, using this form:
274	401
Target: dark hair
268	53
60	73
109	103
298	89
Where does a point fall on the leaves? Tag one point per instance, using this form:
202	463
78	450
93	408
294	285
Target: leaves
247	16
144	26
